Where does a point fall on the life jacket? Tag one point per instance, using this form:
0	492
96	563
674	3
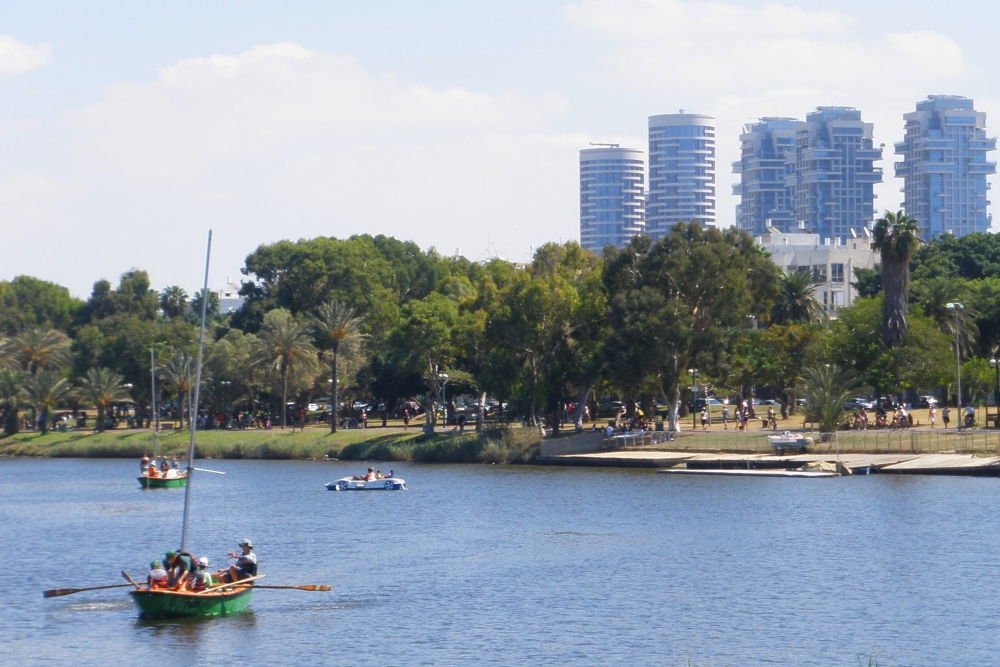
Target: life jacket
152	471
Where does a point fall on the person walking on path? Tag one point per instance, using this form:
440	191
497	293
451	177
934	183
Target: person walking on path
945	415
725	417
932	415
704	419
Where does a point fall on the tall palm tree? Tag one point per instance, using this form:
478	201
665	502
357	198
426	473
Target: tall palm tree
43	391
11	398
37	348
281	342
934	295
103	388
333	324
173	301
178	373
796	300
895	238
827	389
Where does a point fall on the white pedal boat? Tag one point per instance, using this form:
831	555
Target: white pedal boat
351	484
789	440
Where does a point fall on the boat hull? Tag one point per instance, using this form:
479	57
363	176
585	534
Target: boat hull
162	482
351	484
179	604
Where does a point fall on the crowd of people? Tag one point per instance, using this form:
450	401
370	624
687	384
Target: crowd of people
181	571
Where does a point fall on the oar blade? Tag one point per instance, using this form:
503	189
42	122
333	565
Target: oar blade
56	592
323	587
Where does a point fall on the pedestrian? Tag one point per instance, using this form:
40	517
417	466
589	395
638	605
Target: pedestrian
932	415
704	419
406	419
945	415
725	417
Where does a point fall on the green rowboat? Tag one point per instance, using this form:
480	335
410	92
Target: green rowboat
163	482
176	604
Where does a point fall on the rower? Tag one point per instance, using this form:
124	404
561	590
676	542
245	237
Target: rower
181	565
245	566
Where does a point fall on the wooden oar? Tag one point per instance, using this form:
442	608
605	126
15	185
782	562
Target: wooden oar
231	584
57	592
130	579
306	587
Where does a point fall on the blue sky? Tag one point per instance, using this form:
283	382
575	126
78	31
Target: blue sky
128	129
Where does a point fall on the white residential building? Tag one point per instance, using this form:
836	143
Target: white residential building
831	261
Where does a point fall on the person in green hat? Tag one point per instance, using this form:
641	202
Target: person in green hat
180	566
157	575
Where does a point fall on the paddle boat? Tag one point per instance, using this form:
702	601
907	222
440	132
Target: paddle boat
351	484
789	441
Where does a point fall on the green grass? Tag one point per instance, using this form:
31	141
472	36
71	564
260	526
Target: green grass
494	446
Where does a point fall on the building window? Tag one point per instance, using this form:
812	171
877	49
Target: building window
836	273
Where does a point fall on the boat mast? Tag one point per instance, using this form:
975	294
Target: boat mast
156	414
193	414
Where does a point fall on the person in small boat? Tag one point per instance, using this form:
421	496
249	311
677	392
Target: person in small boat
164	467
180	565
151	472
174	464
379	475
245	565
157	575
201	578
390	475
144	464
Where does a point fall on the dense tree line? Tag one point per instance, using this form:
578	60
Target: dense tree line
391	322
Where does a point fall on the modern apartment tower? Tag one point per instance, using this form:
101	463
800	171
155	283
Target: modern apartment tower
944	166
612	200
681	172
832	173
766	202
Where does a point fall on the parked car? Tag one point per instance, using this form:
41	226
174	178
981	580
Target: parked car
926	402
312	407
768	401
857	403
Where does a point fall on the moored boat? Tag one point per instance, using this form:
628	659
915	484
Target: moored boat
790	441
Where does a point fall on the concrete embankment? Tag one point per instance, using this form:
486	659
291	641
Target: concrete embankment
585	450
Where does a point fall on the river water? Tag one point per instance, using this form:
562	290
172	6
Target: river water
509	565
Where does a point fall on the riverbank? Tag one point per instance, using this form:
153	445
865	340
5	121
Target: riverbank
494	446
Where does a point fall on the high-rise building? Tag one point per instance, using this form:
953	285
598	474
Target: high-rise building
832	173
944	166
681	172
765	199
612	200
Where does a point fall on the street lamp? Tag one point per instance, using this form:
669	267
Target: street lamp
444	394
995	365
958	362
225	403
693	372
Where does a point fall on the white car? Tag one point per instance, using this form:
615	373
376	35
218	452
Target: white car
351	484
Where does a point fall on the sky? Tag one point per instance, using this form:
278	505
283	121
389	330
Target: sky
128	130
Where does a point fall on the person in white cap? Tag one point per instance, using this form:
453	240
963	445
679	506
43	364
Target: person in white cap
201	578
245	565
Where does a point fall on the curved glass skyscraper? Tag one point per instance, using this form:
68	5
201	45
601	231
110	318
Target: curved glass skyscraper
612	200
681	171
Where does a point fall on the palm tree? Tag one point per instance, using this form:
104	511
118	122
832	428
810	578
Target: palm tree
333	324
177	373
827	389
795	301
38	348
11	397
103	388
281	342
173	301
895	239
934	295
43	390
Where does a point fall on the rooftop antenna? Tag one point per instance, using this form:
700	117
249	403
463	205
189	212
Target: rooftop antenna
605	145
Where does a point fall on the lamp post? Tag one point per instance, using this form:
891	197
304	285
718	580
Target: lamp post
693	372
225	403
995	365
128	385
444	394
958	363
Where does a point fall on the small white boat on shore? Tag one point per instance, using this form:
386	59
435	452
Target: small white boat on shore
351	484
789	441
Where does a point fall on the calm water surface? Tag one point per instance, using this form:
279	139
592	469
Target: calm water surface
510	566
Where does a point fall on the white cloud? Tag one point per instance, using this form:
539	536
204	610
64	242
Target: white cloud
16	57
282	141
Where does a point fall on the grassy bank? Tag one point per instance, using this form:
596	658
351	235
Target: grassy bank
494	446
